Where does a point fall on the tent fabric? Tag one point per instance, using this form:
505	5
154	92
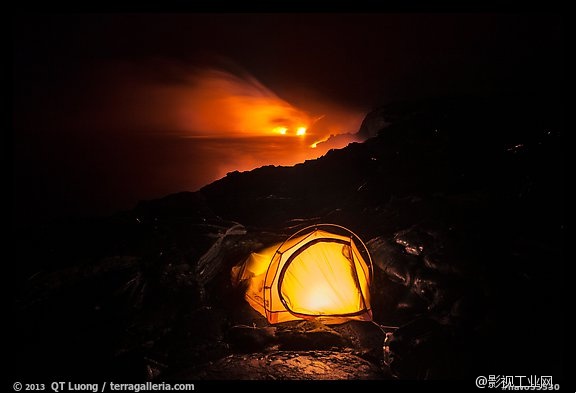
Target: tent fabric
317	274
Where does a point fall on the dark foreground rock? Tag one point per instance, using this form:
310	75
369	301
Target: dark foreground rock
286	365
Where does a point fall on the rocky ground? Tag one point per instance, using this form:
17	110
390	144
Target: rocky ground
460	203
282	365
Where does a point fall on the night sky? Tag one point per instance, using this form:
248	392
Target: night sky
110	109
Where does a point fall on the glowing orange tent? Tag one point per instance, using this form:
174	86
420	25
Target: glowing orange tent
322	272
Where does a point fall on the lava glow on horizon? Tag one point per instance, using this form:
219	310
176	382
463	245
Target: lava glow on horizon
221	103
252	126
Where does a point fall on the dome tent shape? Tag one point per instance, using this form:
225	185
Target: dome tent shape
322	272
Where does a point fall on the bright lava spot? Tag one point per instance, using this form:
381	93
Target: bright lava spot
281	130
315	144
301	131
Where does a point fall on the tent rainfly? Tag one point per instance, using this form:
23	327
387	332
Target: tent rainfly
322	272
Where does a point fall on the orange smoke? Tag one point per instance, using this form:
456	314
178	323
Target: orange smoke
245	125
230	121
223	104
